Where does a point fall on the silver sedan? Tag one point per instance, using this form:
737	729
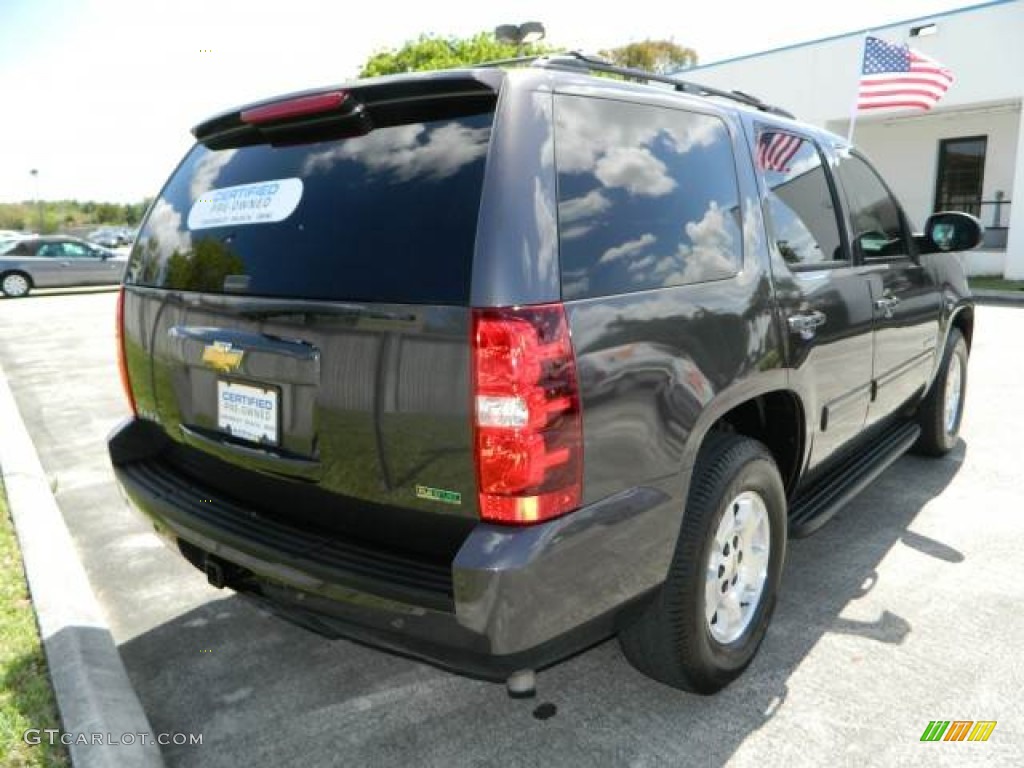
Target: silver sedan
57	262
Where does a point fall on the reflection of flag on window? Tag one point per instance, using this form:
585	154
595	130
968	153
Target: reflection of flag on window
775	150
899	76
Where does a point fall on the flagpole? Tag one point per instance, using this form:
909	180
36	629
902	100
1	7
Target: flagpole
856	93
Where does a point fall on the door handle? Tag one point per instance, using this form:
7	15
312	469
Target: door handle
805	323
887	305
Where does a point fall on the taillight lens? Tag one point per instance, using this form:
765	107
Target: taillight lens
529	434
122	362
291	109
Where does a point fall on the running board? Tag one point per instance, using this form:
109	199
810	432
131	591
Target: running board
816	505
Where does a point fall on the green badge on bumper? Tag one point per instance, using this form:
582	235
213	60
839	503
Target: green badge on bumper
437	494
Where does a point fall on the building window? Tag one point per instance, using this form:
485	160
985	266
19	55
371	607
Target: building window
961	174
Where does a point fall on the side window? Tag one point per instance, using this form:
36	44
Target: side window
800	209
875	215
647	197
76	251
50	251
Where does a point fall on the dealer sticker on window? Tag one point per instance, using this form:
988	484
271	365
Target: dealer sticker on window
264	202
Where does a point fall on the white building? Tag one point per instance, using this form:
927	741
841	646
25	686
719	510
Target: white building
965	154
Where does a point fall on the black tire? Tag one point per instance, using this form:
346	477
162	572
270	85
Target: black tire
23	281
937	435
672	640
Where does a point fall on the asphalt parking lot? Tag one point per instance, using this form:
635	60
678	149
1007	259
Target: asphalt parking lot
905	609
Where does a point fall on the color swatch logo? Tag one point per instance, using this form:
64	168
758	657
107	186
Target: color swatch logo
958	730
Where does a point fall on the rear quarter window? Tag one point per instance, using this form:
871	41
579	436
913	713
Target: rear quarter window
389	216
647	197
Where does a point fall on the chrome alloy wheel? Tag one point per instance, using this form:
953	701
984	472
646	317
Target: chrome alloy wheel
954	391
15	285
737	567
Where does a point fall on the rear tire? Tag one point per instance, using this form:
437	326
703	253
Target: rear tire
708	619
940	413
15	284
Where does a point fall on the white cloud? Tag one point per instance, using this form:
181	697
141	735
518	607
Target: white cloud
628	248
708	256
579	208
619	152
165	226
408	151
636	170
640	266
207	170
573	232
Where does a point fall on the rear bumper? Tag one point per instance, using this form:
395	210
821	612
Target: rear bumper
513	598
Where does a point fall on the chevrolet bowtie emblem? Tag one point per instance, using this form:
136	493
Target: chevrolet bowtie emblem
221	356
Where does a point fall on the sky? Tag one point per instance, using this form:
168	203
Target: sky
99	95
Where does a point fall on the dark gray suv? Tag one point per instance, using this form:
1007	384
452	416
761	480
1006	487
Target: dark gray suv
485	366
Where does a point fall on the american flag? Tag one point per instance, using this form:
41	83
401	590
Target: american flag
775	150
899	76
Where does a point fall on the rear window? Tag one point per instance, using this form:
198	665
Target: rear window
389	216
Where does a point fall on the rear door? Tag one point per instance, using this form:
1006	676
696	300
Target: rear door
905	298
823	297
301	302
86	265
47	265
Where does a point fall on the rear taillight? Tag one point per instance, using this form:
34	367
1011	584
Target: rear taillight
122	362
528	426
292	109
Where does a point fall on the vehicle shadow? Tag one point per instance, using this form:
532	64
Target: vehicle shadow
265	693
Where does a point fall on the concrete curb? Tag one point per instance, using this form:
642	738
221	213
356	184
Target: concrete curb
94	695
998	297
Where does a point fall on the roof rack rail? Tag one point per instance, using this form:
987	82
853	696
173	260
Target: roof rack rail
513	60
576	61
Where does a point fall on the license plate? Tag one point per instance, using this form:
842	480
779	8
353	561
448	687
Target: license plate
247	412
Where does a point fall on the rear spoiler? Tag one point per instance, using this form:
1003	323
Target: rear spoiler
352	109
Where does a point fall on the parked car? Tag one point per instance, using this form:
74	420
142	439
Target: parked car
106	237
57	262
11	236
484	366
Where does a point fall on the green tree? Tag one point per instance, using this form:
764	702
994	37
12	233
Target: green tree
107	213
430	52
661	56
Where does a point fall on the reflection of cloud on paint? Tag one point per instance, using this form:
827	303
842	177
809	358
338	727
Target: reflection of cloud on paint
708	257
408	151
164	225
752	231
207	170
629	248
636	170
579	208
546	254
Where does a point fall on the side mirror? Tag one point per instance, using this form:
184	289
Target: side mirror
953	231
